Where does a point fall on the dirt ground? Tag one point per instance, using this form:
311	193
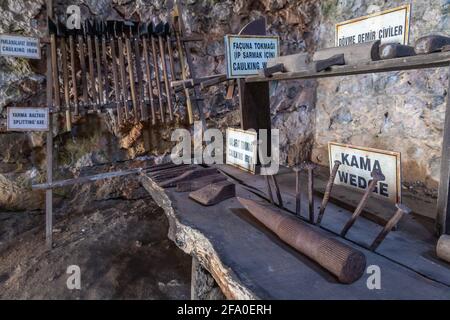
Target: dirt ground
112	230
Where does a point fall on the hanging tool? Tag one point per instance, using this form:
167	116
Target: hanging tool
102	30
82	56
173	76
118	31
143	32
128	34
401	210
53	29
298	195
98	59
140	82
73	72
110	38
156	70
160	30
377	176
61	31
328	188
89	33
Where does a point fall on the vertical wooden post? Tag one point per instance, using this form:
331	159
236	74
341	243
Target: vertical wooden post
49	192
443	208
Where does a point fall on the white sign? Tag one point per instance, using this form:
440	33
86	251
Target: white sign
21	47
388	26
246	55
357	165
27	119
242	149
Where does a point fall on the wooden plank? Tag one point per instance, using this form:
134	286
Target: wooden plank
87	179
434	60
443	211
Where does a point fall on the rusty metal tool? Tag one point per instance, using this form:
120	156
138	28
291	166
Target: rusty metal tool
269	71
341	260
138	67
143	32
431	43
377	176
118	29
110	38
101	29
128	34
395	50
73	72
298	195
89	33
401	210
53	30
336	60
82	56
309	167
328	188
160	30
65	70
298	62
98	59
156	70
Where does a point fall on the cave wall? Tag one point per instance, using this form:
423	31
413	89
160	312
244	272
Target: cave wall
398	111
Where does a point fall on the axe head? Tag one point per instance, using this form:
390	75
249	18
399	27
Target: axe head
143	29
128	27
61	29
158	28
88	27
52	27
166	28
118	28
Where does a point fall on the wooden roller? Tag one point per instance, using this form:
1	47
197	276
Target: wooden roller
443	248
346	263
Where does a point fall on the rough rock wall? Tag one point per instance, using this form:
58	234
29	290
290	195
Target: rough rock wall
94	140
399	111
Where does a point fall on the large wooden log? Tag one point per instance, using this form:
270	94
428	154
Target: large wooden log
346	263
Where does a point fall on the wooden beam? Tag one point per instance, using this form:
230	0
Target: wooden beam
87	179
443	208
434	60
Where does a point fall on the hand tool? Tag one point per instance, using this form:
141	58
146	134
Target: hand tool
214	193
377	176
110	37
395	50
309	167
277	190
269	189
269	71
53	29
336	60
344	262
401	210
143	32
230	90
82	56
291	63
353	55
169	32
156	70
98	59
138	67
89	32
118	30
128	31
328	188
73	71
65	69
431	43
102	31
298	195
160	30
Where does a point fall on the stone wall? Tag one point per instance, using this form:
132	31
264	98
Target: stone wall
398	111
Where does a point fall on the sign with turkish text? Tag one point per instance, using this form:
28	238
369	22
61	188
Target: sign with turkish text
357	164
388	26
19	46
242	149
28	119
245	55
